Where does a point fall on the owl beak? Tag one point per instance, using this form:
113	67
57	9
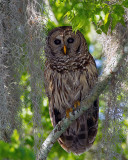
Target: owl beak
65	49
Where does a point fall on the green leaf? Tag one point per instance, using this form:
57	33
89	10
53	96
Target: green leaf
122	21
118	9
106	18
99	31
106	8
114	20
106	26
125	3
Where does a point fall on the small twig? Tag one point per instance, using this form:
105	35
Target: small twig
65	122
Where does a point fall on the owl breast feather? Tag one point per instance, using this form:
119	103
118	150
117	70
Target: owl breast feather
64	86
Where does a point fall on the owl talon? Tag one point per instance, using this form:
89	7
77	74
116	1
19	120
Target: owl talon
76	104
68	111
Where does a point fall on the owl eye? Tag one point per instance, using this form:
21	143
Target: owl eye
70	40
57	41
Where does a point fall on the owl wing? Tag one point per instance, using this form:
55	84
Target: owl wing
80	136
67	88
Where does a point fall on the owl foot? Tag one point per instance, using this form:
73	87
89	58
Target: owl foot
68	111
76	104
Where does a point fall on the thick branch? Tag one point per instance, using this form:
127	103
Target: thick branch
99	88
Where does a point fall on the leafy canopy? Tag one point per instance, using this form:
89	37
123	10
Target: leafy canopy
82	13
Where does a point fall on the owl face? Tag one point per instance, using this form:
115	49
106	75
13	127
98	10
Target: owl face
63	42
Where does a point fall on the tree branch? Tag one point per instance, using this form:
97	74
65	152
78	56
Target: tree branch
103	81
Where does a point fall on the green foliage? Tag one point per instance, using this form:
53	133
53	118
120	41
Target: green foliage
14	150
82	13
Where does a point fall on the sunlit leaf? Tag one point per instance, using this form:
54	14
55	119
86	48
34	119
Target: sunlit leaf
106	18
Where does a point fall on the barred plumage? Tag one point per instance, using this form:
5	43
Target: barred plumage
68	79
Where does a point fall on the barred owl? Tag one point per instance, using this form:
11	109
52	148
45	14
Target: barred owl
70	74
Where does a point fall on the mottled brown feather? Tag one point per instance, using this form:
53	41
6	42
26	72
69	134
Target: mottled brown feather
70	78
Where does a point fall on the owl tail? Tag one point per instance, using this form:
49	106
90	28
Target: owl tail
81	134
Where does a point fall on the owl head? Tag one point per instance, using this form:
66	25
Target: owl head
62	42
